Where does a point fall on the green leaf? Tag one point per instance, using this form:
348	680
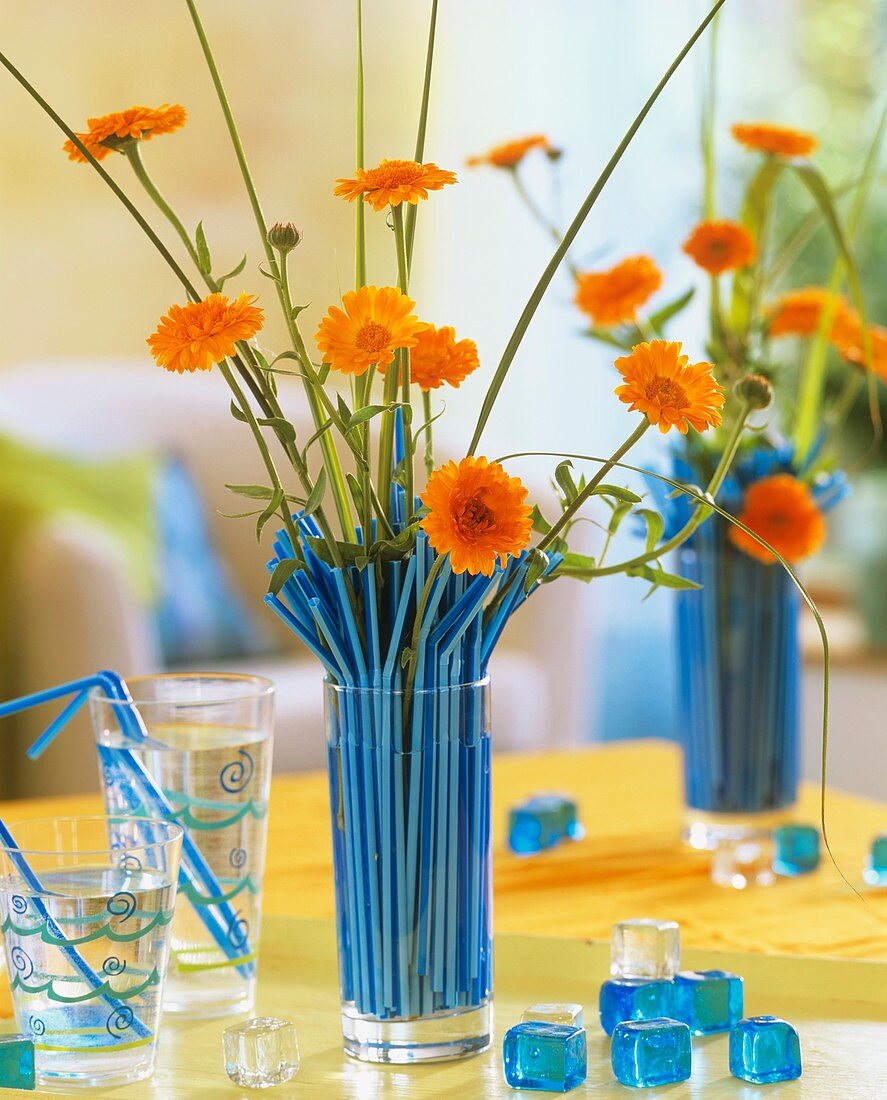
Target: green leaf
325	427
234	271
315	498
755	210
238	414
255	492
344	411
617	492
620	511
298	309
268	275
366	413
282	428
204	261
406	656
537	563
240	515
577	565
659	578
540	524
671	309
282	573
606	336
655	526
356	492
273	504
565	480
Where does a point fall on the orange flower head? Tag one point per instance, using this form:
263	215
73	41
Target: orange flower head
194	336
780	141
371	324
439	357
798	313
668	389
394	182
782	510
135	123
510	153
853	349
614	296
719	246
477	514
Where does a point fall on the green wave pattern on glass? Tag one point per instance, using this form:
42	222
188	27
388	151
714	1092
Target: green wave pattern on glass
105	931
104	990
184	805
196	898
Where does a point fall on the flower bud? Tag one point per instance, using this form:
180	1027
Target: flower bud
553	153
755	390
284	236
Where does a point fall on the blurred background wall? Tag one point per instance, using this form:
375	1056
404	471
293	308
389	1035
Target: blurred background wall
78	280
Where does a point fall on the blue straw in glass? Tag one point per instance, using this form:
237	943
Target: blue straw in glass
71	954
195	870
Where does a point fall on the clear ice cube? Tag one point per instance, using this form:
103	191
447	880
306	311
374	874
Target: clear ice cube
568	1014
645	949
261	1052
740	862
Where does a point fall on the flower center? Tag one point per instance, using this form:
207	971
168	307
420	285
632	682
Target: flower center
665	391
373	337
394	173
474	518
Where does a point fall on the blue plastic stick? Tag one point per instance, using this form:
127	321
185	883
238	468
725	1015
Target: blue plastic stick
71	954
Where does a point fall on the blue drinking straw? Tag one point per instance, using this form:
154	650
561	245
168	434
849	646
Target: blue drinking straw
194	870
70	953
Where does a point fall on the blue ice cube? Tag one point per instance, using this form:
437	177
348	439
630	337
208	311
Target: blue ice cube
765	1049
17	1062
797	849
634	999
646	1053
708	1000
547	1057
875	873
541	822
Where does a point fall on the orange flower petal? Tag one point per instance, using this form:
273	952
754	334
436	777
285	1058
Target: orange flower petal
768	137
139	123
614	296
197	335
671	392
439	357
375	322
782	510
719	246
510	153
393	182
477	514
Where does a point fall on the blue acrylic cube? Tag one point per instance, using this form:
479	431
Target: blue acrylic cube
797	850
875	873
765	1049
646	1053
541	822
708	1000
17	1062
547	1057
634	999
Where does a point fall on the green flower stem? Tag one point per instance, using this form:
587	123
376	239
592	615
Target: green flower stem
330	455
439	562
560	252
132	150
360	244
589	489
422	129
538	215
700	514
403	361
247	411
429	440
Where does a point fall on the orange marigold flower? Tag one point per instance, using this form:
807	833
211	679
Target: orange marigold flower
394	182
373	322
719	246
137	123
798	313
768	137
194	336
510	153
477	513
614	296
782	510
668	389
853	348
439	357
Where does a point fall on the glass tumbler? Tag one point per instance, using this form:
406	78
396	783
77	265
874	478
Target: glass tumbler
208	750
87	908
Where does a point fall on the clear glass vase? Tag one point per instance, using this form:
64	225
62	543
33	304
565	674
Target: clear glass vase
409	778
739	672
